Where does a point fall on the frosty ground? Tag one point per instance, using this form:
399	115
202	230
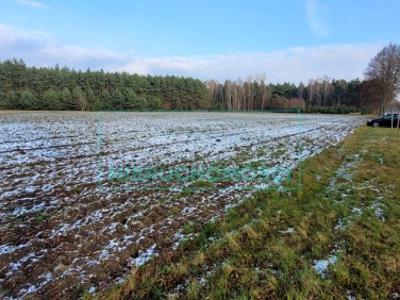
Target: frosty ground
87	196
331	231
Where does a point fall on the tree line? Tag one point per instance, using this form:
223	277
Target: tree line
320	95
23	87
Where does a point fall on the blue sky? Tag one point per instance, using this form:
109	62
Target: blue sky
288	40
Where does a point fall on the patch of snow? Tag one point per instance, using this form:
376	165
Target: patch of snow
320	266
378	211
178	237
356	210
340	225
290	230
45	280
19	211
145	256
188	210
6	249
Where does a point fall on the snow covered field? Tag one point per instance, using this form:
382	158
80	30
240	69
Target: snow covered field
87	196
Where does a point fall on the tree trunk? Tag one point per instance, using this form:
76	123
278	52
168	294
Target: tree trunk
398	122
391	123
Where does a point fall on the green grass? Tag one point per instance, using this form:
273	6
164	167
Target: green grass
342	203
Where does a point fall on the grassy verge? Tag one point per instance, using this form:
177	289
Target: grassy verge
333	231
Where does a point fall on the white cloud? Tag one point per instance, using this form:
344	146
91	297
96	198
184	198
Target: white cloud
42	49
314	19
346	61
31	3
294	65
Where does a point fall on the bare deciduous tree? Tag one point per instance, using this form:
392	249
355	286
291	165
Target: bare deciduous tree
385	67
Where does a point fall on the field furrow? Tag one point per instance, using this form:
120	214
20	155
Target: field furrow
87	196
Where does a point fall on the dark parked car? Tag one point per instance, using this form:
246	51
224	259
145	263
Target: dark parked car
385	121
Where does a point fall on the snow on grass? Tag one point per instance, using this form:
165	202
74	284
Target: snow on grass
145	256
321	266
378	210
188	210
64	181
178	238
290	230
31	289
